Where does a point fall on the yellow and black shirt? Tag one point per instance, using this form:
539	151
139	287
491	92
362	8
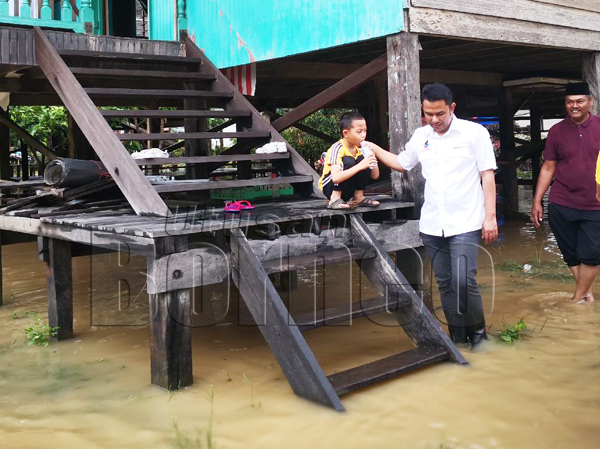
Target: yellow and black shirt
334	157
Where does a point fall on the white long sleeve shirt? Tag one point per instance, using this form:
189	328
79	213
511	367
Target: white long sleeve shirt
452	166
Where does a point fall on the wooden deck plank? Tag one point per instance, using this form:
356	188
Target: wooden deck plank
208	159
192	186
213	218
118	56
198	135
162	93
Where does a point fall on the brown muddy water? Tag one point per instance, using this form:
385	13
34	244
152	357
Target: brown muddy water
94	391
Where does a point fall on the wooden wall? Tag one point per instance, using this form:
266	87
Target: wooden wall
16	45
569	24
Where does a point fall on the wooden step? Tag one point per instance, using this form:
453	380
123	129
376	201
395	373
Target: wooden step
315	259
212	159
161	93
371	373
195	185
182	113
134	57
308	321
195	136
84	72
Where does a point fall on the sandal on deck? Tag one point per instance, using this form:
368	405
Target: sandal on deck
367	202
338	205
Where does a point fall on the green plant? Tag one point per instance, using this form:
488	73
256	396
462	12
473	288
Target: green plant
183	441
247	381
19	316
39	334
510	334
210	397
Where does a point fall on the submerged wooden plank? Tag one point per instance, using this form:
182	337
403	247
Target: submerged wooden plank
405	362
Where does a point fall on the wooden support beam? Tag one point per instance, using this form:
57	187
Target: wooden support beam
28	138
298	363
329	95
307	129
404	98
5	168
60	287
510	186
116	159
591	74
535	127
170	328
24	162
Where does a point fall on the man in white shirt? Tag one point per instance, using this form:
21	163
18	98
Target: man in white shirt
458	164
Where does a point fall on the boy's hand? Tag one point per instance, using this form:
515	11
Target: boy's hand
367	162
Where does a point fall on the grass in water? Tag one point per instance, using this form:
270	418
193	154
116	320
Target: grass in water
509	334
247	381
39	334
537	268
182	441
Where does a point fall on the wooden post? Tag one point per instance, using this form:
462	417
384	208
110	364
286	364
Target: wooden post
535	129
79	146
510	186
196	147
170	332
591	74
405	111
60	287
24	162
5	169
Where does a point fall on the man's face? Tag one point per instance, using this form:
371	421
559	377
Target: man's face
438	114
578	107
356	133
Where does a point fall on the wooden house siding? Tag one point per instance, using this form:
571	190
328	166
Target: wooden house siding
552	23
17	48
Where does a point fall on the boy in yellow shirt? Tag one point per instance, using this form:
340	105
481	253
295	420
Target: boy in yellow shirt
346	170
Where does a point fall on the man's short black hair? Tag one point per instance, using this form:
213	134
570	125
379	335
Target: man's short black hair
347	118
436	92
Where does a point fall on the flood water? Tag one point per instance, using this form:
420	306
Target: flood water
94	391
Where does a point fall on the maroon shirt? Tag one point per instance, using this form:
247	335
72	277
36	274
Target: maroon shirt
575	150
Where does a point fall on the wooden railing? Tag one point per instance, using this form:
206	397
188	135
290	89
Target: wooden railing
40	13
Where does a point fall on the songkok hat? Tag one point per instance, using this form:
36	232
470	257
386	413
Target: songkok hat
577	89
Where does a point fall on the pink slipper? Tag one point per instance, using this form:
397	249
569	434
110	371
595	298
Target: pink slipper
232	207
244	205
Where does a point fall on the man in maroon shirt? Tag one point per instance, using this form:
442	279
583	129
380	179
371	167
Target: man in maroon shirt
573	211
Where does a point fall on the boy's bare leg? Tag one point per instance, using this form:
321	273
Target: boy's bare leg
584	277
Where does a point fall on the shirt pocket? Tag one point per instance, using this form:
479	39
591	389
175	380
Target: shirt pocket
428	155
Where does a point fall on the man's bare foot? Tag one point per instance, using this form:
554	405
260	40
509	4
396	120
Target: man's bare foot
588	297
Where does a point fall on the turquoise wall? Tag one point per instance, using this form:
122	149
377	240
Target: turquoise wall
161	15
235	32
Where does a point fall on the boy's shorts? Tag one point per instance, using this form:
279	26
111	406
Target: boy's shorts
577	233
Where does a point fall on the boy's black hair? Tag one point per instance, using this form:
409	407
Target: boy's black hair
347	118
436	92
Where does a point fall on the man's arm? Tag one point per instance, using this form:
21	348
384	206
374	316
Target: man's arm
546	175
338	175
387	158
489	230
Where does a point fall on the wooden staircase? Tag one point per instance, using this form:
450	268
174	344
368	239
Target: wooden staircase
283	333
192	88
